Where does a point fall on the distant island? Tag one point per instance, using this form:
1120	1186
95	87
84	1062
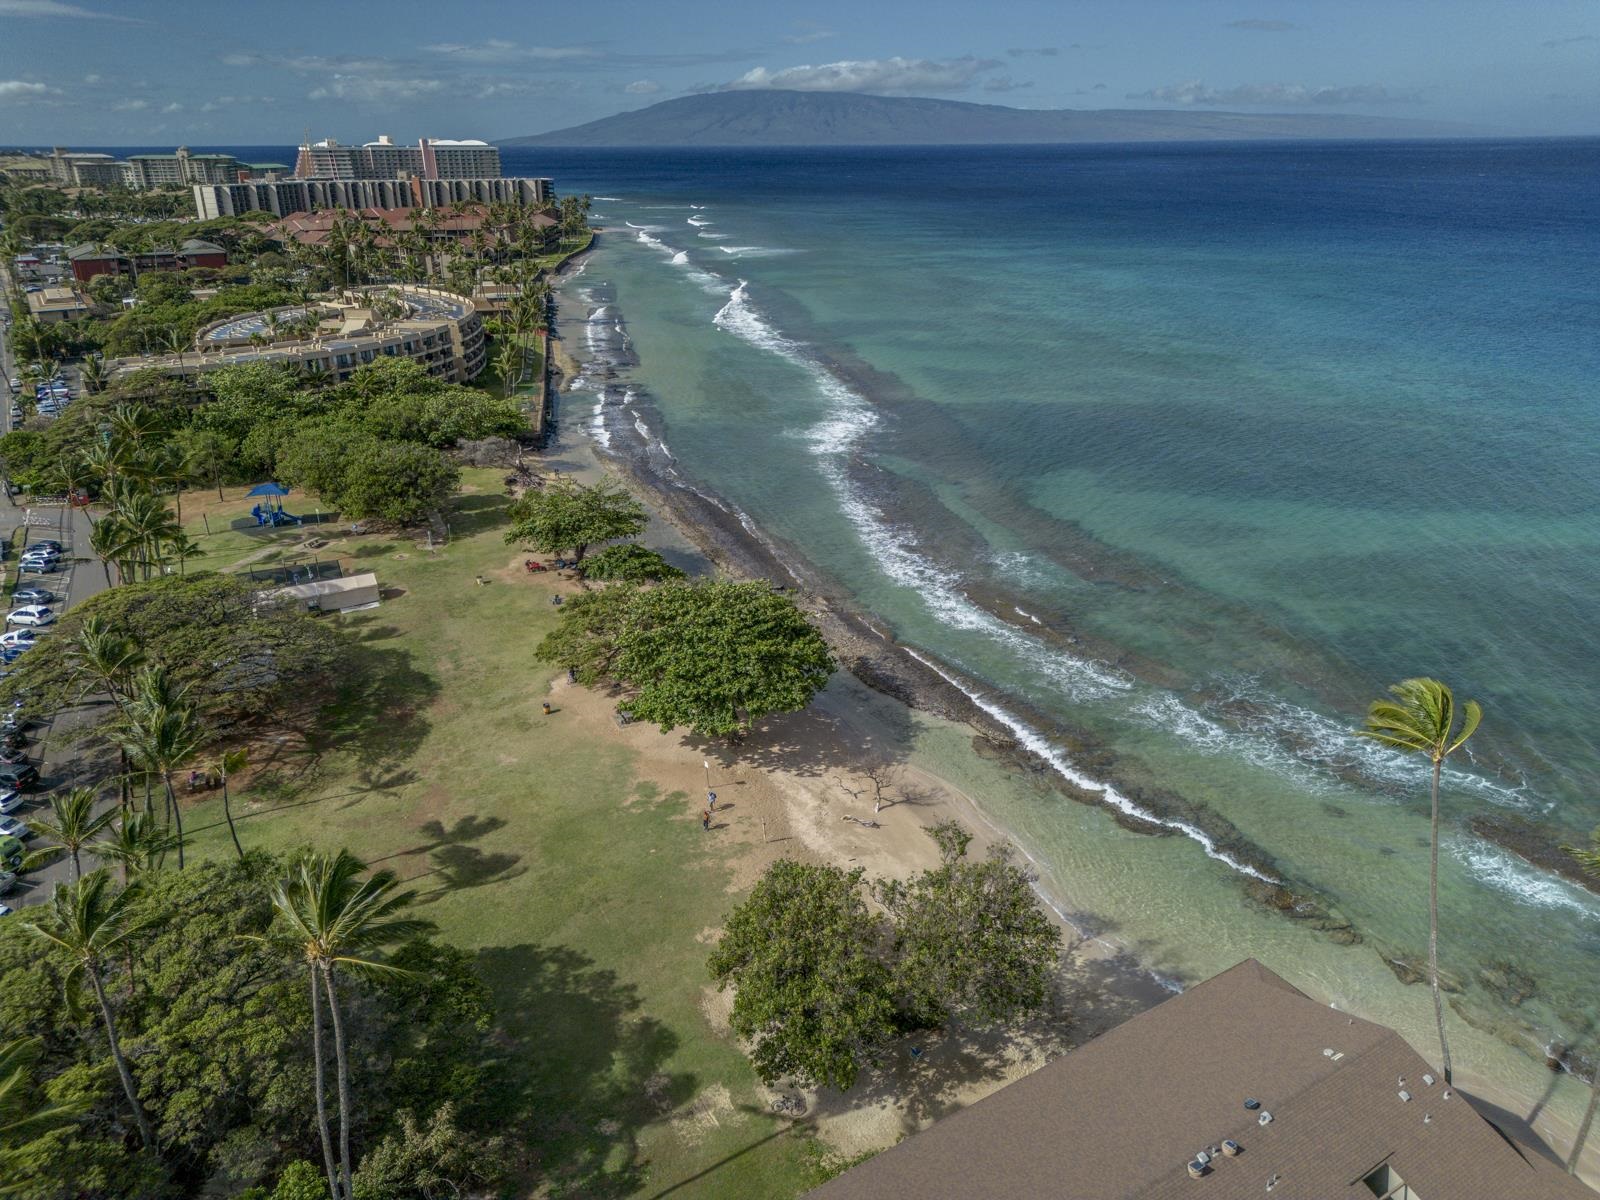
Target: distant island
786	118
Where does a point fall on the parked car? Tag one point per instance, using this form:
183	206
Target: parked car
19	637
45	544
11	827
11	851
31	614
8	880
9	803
5	910
39	566
11	756
33	595
17	777
31	555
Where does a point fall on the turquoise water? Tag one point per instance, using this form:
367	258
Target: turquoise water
1187	451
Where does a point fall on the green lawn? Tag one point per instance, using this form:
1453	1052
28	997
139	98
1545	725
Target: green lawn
580	887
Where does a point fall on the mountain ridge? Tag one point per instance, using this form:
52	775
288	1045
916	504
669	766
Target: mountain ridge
789	118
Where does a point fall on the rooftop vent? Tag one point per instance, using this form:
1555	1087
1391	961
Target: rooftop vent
1427	1118
1447	1093
1264	1119
1273	1182
1252	1104
1231	1148
1203	1158
1404	1095
1196	1169
1427	1079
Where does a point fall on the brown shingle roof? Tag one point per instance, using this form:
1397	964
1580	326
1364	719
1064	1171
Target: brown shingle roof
1121	1118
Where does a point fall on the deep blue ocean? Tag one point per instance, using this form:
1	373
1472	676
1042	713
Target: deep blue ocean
1174	456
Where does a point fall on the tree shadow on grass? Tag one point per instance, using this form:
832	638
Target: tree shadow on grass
474	514
377	714
453	864
817	742
590	1066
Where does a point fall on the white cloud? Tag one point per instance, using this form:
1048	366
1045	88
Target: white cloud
497	51
1297	94
642	87
22	87
173	107
230	101
51	8
367	89
315	64
130	106
806	37
91	79
871	75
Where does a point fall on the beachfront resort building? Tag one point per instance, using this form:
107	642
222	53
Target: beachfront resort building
145	172
430	158
289	196
335	336
1241	1087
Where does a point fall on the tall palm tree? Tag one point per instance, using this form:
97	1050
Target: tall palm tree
112	545
229	765
161	732
102	658
87	920
137	844
1589	860
330	917
94	375
150	527
72	823
21	1115
1421	719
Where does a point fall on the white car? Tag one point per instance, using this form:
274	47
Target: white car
38	556
5	910
18	637
11	827
10	801
31	614
8	880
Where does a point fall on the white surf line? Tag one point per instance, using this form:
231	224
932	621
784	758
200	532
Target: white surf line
831	441
1038	744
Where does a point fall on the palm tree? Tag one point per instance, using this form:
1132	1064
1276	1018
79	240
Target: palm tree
137	845
508	361
161	732
72	823
229	765
331	918
111	543
86	920
104	659
150	527
1422	719
22	1116
94	375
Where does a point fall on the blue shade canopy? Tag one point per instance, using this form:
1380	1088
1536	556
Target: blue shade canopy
267	489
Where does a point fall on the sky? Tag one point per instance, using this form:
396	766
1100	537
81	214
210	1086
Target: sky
264	72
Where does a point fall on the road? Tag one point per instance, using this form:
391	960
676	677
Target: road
80	577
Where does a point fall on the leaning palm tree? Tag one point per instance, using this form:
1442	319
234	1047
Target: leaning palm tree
330	917
22	1116
72	823
87	921
229	765
112	544
103	659
1422	719
1589	860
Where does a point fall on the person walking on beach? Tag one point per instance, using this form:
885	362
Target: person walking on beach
705	820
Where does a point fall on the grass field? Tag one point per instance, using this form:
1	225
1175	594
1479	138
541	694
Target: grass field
581	888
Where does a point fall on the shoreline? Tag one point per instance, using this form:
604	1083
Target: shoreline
898	673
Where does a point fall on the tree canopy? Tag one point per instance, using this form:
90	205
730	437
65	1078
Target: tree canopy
713	656
568	515
823	983
629	562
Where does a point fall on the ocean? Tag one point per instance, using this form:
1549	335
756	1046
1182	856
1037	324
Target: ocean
1173	457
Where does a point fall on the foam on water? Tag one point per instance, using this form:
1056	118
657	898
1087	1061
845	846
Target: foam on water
716	237
700	221
1040	745
681	258
1503	872
848	420
756	251
1328	743
613	199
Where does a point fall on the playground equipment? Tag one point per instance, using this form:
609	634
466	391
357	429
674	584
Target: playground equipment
269	510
